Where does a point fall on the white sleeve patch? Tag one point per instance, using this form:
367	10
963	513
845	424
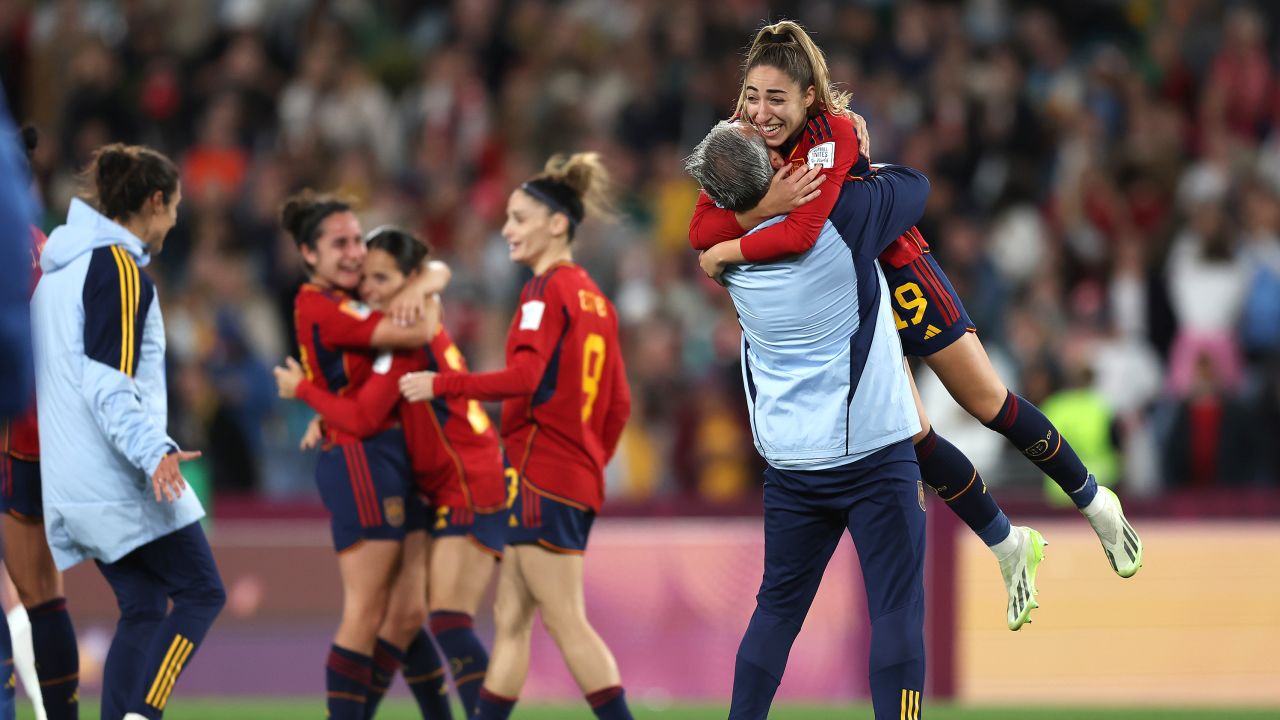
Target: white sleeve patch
823	156
382	363
531	314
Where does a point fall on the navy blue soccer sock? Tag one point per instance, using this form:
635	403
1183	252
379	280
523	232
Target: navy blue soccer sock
1041	443
491	706
468	660
53	639
347	675
8	680
609	703
424	674
387	659
950	473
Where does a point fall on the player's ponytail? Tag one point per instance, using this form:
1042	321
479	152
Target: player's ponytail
576	185
786	46
403	247
303	212
120	178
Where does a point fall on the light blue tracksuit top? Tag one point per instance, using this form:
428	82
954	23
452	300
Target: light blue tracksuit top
99	351
821	358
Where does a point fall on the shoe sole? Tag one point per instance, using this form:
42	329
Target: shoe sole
1037	556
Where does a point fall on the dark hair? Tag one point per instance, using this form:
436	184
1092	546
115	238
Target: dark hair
403	247
120	178
303	213
30	139
574	185
786	46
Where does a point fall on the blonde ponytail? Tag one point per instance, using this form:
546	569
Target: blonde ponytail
786	46
584	174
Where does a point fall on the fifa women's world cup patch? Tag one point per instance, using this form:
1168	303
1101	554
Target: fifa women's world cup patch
823	156
355	309
531	314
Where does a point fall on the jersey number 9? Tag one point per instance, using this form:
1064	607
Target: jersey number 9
592	369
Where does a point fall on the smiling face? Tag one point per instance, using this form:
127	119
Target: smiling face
532	229
339	252
381	280
776	104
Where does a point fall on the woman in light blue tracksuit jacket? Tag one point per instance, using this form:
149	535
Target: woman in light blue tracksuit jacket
112	488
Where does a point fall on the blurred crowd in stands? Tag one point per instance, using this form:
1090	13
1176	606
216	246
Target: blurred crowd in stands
1106	198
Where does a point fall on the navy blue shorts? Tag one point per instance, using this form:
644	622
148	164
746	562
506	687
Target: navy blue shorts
368	489
929	314
557	524
488	530
20	494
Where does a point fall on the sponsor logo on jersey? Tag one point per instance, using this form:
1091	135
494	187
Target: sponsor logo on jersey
823	156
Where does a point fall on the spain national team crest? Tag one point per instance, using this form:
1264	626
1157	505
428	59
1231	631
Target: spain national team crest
920	493
394	509
1039	448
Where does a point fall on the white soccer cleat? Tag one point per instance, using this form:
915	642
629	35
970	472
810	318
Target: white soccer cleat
1119	540
1019	571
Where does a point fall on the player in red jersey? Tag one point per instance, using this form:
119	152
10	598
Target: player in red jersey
456	461
566	401
365	482
26	549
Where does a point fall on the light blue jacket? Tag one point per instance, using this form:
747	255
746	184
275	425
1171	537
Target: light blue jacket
99	349
821	358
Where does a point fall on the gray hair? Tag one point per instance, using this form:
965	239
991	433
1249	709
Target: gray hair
732	166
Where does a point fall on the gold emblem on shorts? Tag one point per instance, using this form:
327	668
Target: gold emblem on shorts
442	517
394	509
920	493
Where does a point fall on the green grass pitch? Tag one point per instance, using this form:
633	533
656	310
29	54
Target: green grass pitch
312	709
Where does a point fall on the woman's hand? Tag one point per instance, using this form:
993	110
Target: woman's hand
790	188
288	378
407	306
314	434
418	386
864	139
167	480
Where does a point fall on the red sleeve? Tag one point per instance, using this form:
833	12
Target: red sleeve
534	334
364	413
520	377
799	230
347	323
619	409
711	224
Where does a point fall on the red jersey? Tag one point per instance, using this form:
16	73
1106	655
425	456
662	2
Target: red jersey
334	332
564	387
451	442
21	436
830	141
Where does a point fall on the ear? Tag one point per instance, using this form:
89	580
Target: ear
309	256
810	96
157	203
559	224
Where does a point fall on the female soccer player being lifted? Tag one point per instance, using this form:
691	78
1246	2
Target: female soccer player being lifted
458	466
565	403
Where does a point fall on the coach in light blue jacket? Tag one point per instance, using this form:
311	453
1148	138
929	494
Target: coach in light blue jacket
113	491
101	383
832	412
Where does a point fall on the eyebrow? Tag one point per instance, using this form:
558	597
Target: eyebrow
768	90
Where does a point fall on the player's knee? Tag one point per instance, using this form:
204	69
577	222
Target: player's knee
407	619
897	637
984	403
564	622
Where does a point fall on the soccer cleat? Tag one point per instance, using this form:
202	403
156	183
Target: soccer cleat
1019	571
1119	540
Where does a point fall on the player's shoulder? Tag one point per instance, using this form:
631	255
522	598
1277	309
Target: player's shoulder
112	267
827	136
